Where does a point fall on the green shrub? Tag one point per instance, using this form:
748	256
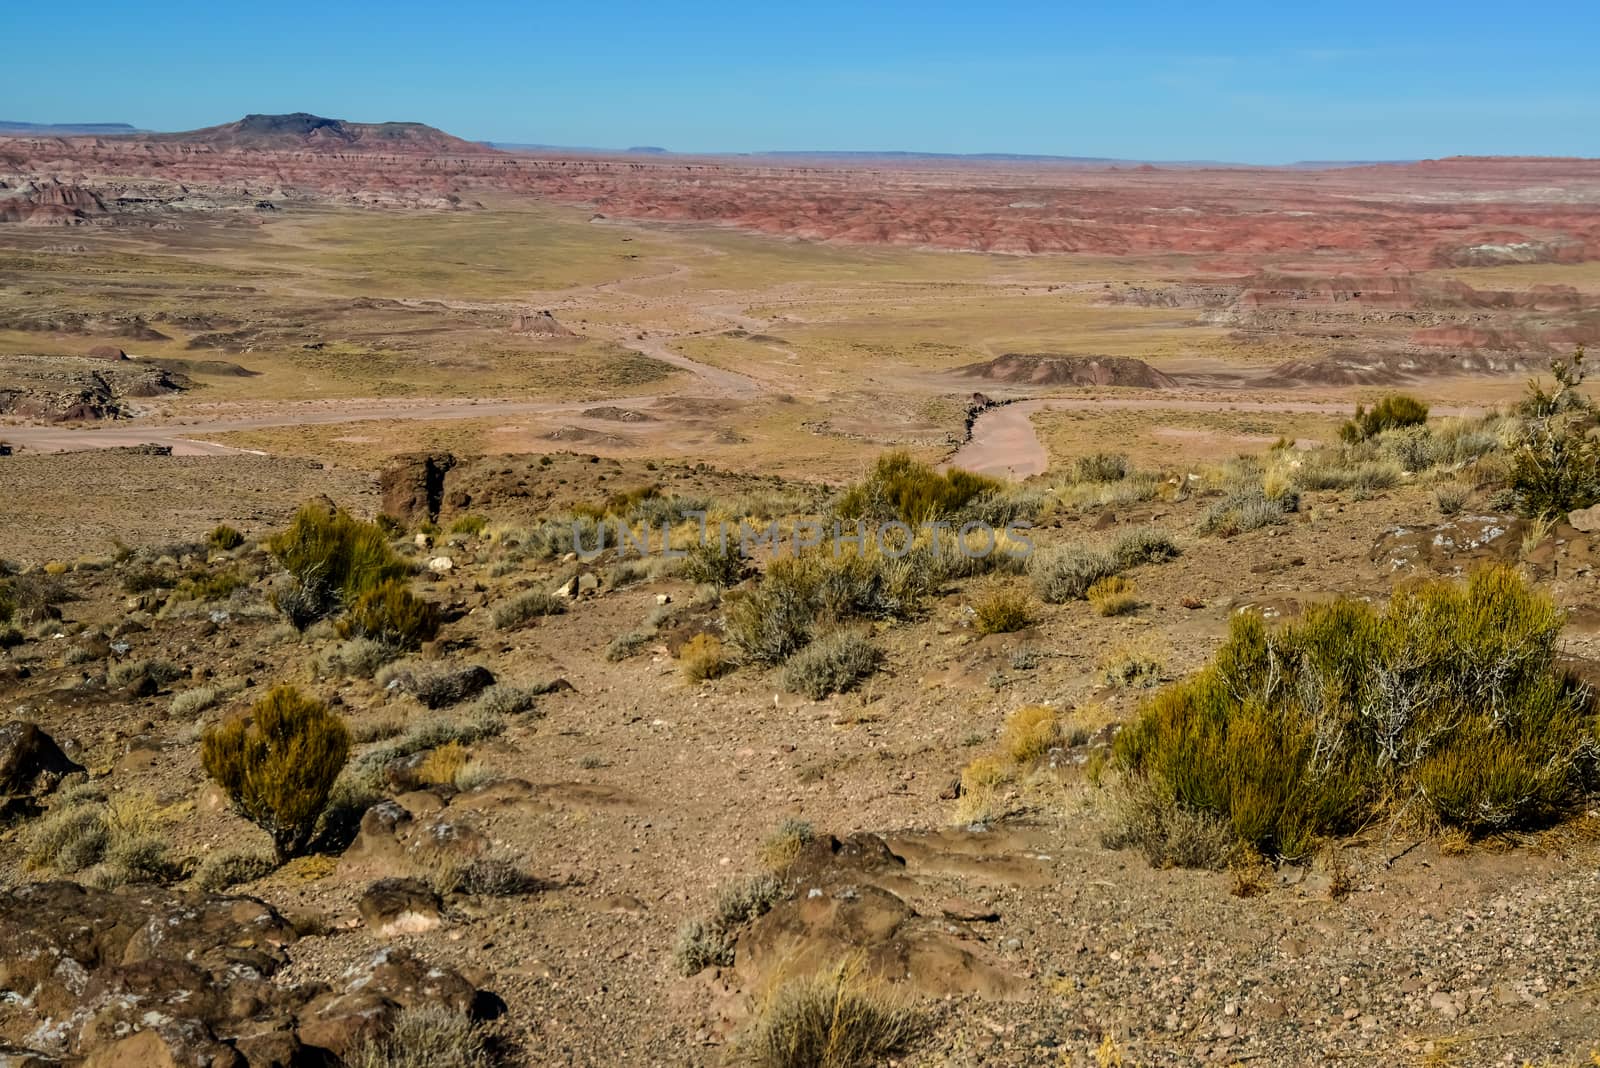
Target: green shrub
391	614
1448	704
720	564
471	525
628	644
1065	573
1395	410
1002	611
525	608
224	538
279	765
833	663
208	586
1556	466
331	558
902	488
1100	467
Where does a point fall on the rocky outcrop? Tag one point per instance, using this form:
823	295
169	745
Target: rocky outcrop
413	486
31	765
542	324
56	388
158	977
50	203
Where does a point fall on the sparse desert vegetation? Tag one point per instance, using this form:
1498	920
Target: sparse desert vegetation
1018	705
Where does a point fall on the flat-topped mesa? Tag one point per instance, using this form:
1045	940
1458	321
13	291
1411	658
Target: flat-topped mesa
302	131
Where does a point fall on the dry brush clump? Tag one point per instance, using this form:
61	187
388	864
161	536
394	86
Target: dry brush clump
704	657
836	1018
1447	708
278	766
1114	596
1002	611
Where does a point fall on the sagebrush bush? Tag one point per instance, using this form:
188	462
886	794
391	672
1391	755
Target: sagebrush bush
389	613
331	558
1448	705
504	699
358	658
905	489
832	663
102	842
421	1036
1100	467
1114	596
1246	511
525	608
626	645
704	657
1065	573
225	868
190	703
801	595
708	941
1393	411
1451	497
836	1018
1002	611
1143	545
278	765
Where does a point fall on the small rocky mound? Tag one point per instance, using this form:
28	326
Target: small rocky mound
1042	369
107	352
1392	368
541	323
31	765
1452	547
613	414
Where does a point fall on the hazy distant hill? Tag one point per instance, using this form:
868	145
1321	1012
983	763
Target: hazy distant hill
66	129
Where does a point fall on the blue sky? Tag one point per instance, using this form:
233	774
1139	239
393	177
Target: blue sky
1249	82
